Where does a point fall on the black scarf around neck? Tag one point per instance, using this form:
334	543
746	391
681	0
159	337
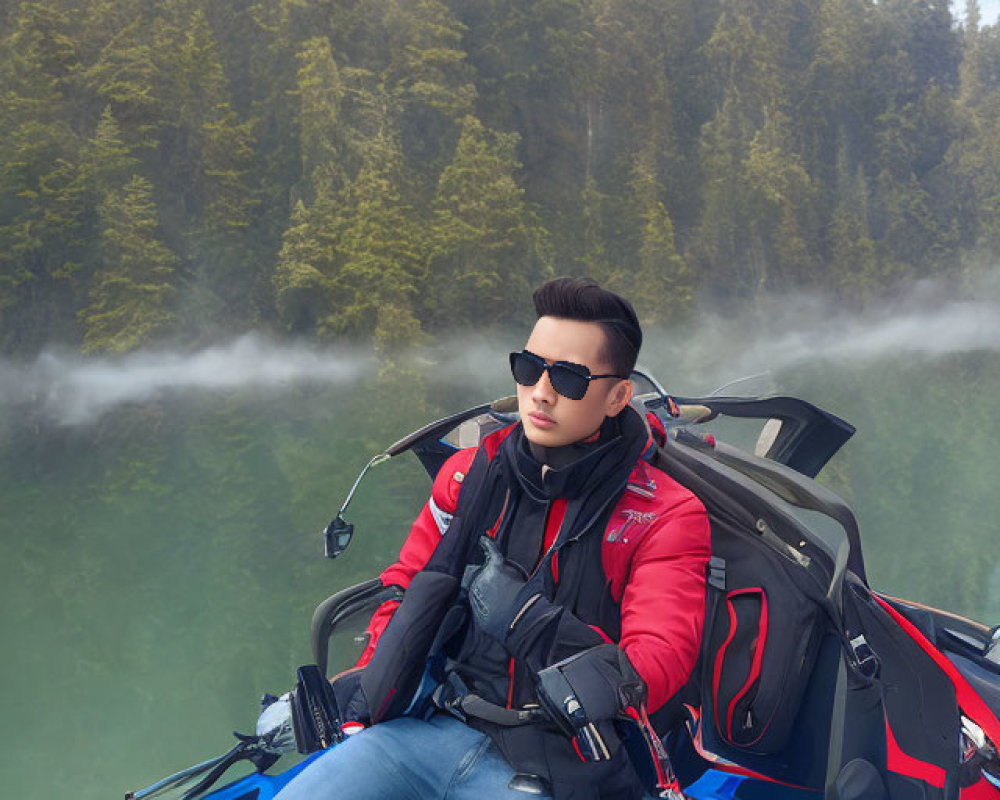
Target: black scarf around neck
516	490
569	471
590	477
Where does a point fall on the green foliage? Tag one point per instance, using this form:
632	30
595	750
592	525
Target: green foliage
44	224
300	279
854	264
378	252
320	91
659	282
486	248
131	293
317	162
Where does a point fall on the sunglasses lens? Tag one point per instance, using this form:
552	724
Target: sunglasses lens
568	382
525	369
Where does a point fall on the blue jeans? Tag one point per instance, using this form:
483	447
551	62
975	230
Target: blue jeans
439	758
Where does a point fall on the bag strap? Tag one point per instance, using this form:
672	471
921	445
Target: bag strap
453	696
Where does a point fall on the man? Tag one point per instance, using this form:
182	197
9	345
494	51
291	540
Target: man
555	578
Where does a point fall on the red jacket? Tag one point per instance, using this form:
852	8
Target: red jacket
655	554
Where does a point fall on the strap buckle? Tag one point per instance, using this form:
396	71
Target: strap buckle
449	694
717	572
865	659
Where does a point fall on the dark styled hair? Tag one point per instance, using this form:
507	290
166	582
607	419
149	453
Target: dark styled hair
583	300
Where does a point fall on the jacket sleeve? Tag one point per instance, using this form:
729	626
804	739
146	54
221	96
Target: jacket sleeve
425	533
663	604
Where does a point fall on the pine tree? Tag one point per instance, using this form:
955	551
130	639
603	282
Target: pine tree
534	59
595	256
131	294
915	236
428	78
379	253
974	157
109	160
302	277
227	249
44	220
320	90
486	249
660	284
272	67
853	262
721	248
631	109
918	47
781	205
842	99
125	76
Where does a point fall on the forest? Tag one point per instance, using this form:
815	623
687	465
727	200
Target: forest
380	170
347	179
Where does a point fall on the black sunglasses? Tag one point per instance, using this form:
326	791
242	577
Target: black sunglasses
568	379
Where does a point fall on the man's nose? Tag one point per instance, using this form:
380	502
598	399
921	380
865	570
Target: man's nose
543	391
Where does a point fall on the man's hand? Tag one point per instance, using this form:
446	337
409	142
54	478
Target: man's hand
593	687
351	701
497	593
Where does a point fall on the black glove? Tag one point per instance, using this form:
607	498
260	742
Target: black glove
498	592
512	610
316	718
351	701
590	688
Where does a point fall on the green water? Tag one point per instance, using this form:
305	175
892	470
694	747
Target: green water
158	568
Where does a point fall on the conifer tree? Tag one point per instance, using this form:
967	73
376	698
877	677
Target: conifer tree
842	100
534	61
631	108
914	236
132	292
918	47
320	90
428	77
486	249
658	281
43	211
975	153
126	76
595	257
109	160
780	208
379	253
227	248
303	276
722	245
853	262
272	65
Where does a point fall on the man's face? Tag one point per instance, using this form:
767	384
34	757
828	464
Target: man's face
551	420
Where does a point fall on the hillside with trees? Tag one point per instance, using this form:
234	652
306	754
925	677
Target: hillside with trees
378	170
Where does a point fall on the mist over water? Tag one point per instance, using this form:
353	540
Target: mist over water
161	554
70	389
777	334
783	333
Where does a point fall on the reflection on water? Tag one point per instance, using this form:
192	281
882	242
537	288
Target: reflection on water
159	566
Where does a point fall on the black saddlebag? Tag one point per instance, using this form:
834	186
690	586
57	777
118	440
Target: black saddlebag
760	645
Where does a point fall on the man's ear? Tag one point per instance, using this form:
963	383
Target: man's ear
619	397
